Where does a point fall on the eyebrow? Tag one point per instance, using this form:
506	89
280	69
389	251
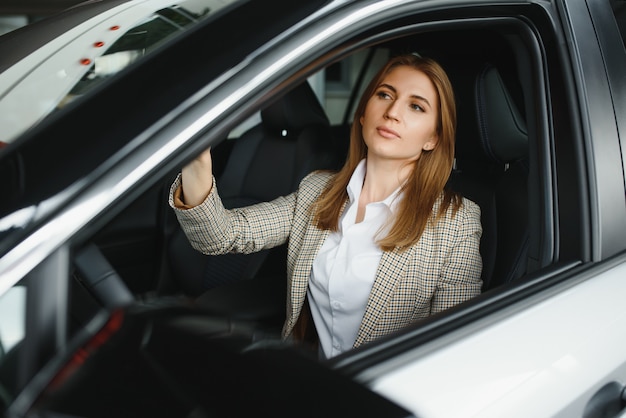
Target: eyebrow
414	96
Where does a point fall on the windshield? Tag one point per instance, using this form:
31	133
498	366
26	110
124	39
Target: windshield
69	65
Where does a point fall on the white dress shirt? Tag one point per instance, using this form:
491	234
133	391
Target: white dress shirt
345	268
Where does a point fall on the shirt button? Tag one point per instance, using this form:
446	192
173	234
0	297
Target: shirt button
336	305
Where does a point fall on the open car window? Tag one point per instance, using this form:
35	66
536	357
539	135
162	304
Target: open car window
479	174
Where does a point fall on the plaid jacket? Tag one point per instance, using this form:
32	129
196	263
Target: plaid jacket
441	270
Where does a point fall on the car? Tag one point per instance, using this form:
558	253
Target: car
107	311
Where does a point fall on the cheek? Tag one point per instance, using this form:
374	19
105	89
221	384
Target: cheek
423	129
420	139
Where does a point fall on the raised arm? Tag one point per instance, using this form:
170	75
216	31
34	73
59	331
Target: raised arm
197	179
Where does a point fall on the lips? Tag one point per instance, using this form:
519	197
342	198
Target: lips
387	133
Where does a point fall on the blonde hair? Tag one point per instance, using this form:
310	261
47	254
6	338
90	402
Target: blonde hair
430	173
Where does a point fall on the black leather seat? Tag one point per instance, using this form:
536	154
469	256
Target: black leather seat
492	169
267	161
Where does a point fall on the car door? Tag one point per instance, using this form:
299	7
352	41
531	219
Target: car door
552	346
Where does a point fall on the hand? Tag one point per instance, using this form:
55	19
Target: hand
197	179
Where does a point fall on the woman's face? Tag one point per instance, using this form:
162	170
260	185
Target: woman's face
400	119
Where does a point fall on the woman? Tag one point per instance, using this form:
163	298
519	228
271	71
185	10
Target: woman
374	247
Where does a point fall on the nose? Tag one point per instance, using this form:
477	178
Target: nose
392	111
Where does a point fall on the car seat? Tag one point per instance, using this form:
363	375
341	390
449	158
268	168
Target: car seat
492	168
267	161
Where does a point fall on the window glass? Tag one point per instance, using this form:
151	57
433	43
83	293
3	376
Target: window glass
134	44
180	16
66	66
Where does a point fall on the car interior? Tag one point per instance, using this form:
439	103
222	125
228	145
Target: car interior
142	252
294	136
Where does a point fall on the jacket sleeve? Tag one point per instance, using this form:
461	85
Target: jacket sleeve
213	229
460	277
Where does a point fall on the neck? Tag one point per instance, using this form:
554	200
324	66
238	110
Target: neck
382	178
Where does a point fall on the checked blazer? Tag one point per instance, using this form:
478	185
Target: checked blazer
441	270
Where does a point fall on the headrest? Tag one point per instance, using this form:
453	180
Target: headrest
296	110
502	129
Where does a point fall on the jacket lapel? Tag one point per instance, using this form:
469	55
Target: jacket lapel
391	268
313	240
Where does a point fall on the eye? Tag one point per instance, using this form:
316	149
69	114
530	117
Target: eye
417	107
383	94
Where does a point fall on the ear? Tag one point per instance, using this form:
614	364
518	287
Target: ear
430	145
361	120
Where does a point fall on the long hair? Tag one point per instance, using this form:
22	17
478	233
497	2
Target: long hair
430	173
